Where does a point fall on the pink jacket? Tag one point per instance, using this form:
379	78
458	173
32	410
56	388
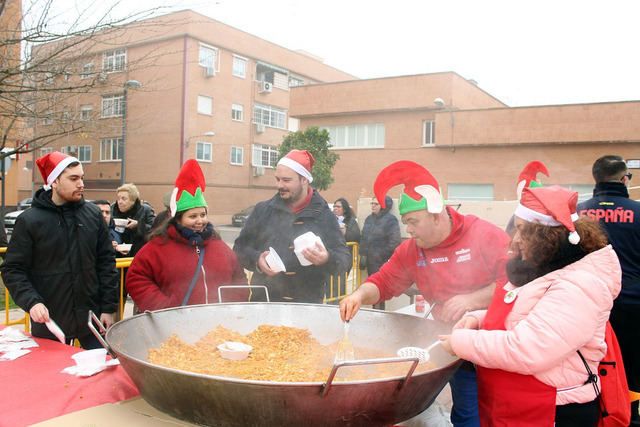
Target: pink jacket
552	317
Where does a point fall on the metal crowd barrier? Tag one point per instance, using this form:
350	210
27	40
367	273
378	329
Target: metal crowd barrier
343	284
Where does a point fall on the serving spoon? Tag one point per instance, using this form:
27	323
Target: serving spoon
421	353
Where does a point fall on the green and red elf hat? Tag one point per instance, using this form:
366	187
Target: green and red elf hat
528	176
421	190
189	190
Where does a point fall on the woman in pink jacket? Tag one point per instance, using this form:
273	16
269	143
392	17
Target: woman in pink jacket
563	279
185	261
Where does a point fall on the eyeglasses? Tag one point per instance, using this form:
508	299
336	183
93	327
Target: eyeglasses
628	175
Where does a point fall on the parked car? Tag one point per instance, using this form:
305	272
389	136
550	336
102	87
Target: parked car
10	220
24	204
239	219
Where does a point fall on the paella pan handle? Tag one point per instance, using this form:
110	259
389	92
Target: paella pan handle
414	363
98	334
266	291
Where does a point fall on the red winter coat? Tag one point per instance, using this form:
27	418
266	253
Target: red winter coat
161	272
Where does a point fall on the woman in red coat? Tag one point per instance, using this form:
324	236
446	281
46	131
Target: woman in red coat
185	261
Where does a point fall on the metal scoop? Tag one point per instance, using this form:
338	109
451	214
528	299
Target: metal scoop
421	353
344	351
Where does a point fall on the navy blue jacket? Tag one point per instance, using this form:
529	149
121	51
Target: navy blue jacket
620	217
273	224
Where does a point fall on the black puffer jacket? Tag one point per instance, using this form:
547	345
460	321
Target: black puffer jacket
380	237
272	224
62	256
137	237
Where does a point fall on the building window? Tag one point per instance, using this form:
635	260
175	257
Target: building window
470	191
279	77
237	155
86	111
112	105
208	57
264	155
71	150
114	60
87	71
205	105
428	133
239	66
203	151
270	116
47	119
45	150
84	153
237	112
294	82
110	149
357	136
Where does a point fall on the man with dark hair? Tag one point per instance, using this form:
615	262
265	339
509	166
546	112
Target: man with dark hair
275	223
60	263
620	217
105	208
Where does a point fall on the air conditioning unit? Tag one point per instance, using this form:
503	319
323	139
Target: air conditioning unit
258	170
102	77
266	87
209	72
259	128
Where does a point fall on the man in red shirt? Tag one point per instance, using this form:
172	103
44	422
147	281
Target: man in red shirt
455	261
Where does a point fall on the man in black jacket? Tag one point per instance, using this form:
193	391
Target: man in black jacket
294	210
620	217
60	263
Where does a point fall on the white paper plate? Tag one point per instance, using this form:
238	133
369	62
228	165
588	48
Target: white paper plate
274	261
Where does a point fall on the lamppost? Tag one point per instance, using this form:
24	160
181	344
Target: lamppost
133	84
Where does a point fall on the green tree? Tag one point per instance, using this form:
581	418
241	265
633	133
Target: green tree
315	141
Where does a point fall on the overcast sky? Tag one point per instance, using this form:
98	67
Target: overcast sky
523	52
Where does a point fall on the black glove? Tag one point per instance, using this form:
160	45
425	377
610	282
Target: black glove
363	262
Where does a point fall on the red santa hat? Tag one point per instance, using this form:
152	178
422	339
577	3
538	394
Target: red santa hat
553	206
52	164
301	161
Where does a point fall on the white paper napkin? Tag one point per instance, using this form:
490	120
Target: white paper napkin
12	355
89	370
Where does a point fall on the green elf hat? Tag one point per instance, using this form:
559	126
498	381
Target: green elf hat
528	176
189	189
421	190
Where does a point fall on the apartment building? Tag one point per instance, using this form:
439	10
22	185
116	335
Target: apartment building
472	143
175	87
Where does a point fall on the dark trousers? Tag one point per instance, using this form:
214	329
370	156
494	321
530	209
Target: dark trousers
578	414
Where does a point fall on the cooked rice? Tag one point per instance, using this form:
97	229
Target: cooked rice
280	353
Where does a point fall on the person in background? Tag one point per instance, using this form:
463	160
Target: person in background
139	217
295	210
165	215
60	263
346	220
185	261
380	237
620	217
455	261
563	278
351	232
105	208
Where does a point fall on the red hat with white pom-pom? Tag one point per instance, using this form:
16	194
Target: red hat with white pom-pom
552	206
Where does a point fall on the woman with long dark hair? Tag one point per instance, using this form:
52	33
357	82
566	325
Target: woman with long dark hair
185	260
347	220
563	279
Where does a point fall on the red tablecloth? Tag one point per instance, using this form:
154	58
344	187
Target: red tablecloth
32	389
